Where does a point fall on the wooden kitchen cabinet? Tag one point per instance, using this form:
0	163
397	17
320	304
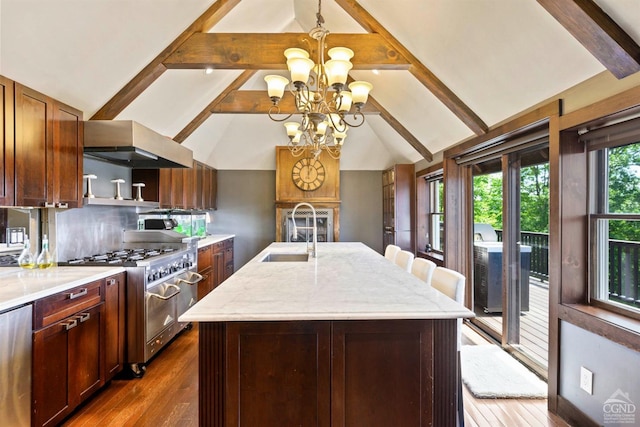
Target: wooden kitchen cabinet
215	264
183	188
48	151
7	177
398	206
329	373
68	146
205	257
114	308
228	259
68	362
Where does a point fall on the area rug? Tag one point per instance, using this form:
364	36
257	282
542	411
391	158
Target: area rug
489	373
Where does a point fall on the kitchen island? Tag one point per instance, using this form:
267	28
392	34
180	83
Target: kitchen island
347	338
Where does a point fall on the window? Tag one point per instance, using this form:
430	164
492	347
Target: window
615	216
430	212
435	231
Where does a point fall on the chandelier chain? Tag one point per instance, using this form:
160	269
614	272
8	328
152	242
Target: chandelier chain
320	94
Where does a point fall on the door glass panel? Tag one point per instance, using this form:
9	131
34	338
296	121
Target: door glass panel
528	331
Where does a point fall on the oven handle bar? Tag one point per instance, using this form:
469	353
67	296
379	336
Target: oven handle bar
164	298
190	282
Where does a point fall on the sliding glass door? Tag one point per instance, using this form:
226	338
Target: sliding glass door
510	251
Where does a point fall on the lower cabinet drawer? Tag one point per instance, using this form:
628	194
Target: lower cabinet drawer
63	304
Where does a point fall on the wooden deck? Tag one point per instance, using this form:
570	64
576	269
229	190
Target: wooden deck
168	396
534	324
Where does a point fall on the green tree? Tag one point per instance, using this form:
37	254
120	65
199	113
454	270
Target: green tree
534	199
487	199
624	190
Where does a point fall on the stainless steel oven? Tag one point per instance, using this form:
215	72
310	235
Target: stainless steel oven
162	283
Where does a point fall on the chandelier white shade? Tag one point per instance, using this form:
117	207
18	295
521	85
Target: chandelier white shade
322	97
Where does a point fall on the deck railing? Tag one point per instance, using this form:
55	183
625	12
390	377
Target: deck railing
624	272
624	265
539	243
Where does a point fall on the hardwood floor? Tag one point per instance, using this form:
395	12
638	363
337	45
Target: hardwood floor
534	323
167	395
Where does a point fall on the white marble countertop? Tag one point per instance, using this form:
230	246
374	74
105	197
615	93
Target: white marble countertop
19	286
214	238
347	281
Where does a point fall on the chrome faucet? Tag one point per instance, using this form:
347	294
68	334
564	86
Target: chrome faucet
314	252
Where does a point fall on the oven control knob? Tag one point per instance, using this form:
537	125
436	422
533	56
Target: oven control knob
152	276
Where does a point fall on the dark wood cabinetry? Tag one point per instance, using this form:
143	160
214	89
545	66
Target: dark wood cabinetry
215	264
183	188
78	345
398	206
7	177
68	351
205	268
33	146
42	143
114	302
323	373
227	259
68	141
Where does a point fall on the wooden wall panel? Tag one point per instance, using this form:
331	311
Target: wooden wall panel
286	191
264	356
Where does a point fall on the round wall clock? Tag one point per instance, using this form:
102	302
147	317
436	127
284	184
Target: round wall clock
308	174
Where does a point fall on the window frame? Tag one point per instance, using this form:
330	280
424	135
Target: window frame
597	142
425	200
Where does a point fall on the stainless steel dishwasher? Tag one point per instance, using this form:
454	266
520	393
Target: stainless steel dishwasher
15	366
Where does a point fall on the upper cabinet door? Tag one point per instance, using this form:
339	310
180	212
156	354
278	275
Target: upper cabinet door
67	155
33	147
6	143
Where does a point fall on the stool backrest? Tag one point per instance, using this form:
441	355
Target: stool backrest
423	269
404	259
391	251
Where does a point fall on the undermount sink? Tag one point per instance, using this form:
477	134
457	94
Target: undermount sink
283	257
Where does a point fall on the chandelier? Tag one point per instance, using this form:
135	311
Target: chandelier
321	96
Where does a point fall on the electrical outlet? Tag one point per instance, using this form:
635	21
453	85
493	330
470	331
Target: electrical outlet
586	380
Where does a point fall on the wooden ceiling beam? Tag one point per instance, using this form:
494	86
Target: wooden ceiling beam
598	33
422	73
402	131
258	102
155	68
208	110
264	51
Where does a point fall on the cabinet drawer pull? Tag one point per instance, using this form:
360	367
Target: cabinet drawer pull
49	205
70	324
84	317
82	292
63	205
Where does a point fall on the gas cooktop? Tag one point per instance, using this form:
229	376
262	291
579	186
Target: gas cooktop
123	257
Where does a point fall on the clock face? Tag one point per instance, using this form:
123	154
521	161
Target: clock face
308	174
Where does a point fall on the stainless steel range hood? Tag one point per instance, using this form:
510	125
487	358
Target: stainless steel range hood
130	144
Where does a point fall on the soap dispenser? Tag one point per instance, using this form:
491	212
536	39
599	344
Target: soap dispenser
26	258
45	260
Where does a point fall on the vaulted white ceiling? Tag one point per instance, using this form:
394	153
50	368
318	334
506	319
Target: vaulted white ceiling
498	56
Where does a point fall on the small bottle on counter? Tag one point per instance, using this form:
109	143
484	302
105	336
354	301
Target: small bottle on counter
26	258
45	260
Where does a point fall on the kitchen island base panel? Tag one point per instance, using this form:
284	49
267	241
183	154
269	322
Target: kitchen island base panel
347	373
